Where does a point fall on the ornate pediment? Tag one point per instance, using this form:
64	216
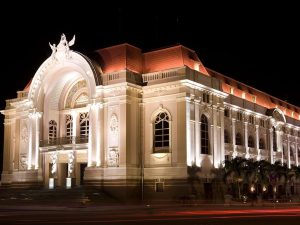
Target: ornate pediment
277	114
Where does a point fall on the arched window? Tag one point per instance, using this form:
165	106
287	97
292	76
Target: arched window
250	142
261	143
69	126
238	139
84	124
204	135
52	130
226	136
161	132
274	140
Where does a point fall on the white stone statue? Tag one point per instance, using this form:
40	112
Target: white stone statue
54	157
63	47
54	50
71	162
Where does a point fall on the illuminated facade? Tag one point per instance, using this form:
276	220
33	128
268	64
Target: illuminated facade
121	119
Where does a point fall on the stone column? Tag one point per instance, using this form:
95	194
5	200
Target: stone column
222	150
214	139
37	116
233	139
7	162
92	135
271	145
280	144
98	133
30	142
197	132
246	140
74	126
17	146
288	152
296	151
188	132
257	142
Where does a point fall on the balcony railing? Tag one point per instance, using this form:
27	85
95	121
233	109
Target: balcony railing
64	141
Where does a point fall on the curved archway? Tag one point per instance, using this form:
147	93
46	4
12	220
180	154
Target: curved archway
277	114
61	70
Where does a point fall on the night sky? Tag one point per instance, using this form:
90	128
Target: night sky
255	44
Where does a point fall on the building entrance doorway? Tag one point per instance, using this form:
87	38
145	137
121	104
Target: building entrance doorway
82	168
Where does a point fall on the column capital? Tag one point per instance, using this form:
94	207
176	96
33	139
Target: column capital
34	114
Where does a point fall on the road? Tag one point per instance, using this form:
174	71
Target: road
140	214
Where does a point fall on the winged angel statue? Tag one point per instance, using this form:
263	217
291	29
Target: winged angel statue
63	45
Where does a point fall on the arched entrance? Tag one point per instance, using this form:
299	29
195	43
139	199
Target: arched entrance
63	93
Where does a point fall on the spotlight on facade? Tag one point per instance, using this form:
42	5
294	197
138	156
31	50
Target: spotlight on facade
51	183
68	182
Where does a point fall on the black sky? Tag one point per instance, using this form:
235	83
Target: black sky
253	43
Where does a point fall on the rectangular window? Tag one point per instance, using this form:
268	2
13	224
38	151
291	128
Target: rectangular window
262	123
251	119
161	133
84	124
239	116
205	97
159	187
69	126
226	112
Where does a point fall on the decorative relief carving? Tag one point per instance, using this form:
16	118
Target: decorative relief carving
54	157
23	161
113	158
24	134
114	130
71	157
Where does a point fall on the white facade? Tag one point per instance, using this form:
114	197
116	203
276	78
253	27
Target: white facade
134	131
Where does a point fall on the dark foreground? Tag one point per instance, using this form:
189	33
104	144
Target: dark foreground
86	207
143	214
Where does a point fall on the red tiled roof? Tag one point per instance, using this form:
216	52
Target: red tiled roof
172	57
262	98
120	57
27	86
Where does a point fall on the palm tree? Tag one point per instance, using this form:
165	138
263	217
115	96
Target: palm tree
234	169
261	173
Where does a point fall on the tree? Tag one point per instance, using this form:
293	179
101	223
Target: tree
234	169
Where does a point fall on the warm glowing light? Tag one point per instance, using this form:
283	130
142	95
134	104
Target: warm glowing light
243	95
252	189
196	67
264	189
68	182
159	155
51	183
274	189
